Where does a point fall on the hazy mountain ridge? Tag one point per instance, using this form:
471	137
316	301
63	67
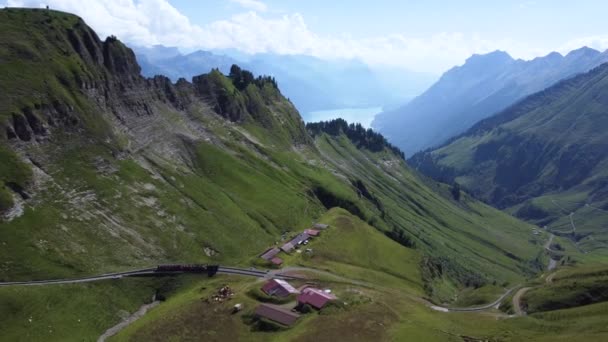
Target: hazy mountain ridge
540	157
481	87
309	82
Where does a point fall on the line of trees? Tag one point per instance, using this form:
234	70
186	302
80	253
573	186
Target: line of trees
241	78
360	136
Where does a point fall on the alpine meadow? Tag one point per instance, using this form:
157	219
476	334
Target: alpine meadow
161	178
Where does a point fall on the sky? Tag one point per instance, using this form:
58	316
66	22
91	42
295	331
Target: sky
427	36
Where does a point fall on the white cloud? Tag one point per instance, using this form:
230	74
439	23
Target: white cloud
148	22
598	42
252	4
527	4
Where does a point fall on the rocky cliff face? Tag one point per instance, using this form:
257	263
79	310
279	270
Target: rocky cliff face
99	89
85	139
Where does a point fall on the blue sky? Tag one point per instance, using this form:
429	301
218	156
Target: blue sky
542	21
426	36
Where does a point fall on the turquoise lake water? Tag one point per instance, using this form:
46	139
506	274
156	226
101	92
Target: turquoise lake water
352	115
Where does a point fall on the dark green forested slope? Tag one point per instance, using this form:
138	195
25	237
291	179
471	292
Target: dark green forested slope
544	159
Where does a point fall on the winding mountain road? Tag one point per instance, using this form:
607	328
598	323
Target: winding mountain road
552	262
476	308
549	242
251	272
517	301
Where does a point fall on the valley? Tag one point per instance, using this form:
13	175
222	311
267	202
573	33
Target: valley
121	193
558	186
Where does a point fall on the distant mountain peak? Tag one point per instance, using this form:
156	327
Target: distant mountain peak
465	94
585	51
202	53
554	55
494	56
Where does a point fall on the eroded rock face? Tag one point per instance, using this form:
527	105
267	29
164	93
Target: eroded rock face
106	95
36	125
15	211
21	127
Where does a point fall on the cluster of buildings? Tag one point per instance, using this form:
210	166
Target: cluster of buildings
271	254
306	295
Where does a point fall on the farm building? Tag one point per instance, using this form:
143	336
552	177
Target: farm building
320	226
276	314
270	253
276	261
288	247
315	297
312	232
299	239
279	288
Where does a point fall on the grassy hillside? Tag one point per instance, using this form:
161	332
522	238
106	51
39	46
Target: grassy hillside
388	310
543	159
110	171
465	242
568	288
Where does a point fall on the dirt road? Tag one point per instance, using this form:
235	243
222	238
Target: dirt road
517	301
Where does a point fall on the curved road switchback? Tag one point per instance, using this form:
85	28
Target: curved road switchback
517	301
476	308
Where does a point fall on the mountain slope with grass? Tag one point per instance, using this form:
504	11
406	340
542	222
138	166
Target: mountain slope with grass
104	170
481	87
463	239
543	159
569	288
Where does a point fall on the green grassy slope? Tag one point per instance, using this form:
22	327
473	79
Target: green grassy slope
114	172
469	241
543	159
389	310
359	251
570	287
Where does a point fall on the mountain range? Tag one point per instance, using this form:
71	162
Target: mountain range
483	86
105	170
310	83
543	159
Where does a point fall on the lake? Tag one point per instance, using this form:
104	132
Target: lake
365	116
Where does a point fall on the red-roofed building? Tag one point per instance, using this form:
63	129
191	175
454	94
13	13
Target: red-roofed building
278	287
315	297
276	314
312	232
277	261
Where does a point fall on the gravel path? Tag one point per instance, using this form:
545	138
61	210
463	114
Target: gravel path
517	301
127	321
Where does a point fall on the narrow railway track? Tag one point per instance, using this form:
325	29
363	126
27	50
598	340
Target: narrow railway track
145	272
